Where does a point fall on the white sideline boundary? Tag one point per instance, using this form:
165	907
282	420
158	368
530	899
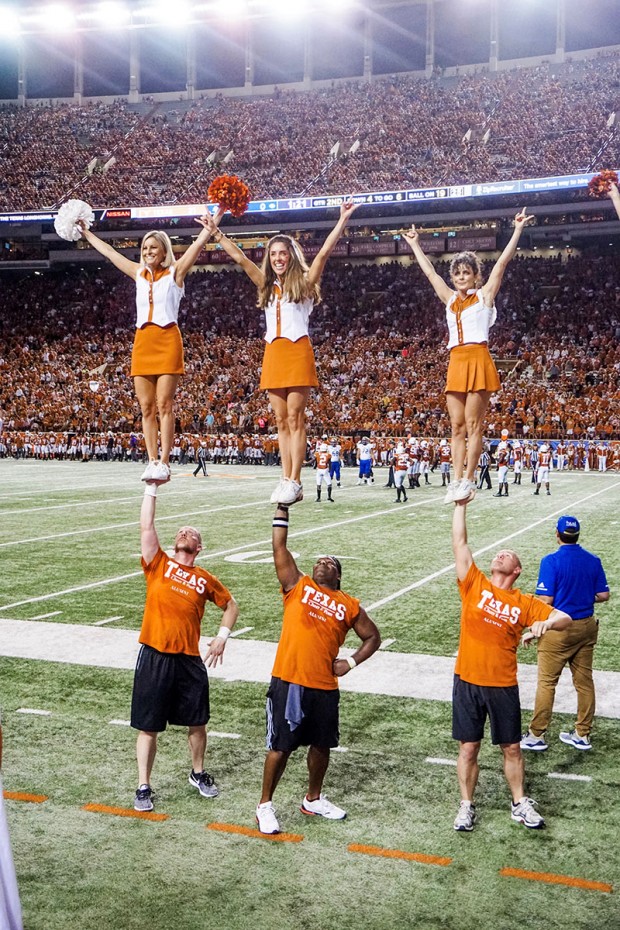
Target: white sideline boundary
395	674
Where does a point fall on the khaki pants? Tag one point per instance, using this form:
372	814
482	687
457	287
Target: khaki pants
556	648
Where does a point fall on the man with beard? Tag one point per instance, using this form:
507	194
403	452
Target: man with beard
171	684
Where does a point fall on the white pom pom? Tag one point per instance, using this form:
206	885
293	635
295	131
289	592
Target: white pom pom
66	223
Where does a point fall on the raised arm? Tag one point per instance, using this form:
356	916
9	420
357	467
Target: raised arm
318	265
492	286
122	263
460	547
412	238
186	261
367	631
286	567
149	541
253	271
614	196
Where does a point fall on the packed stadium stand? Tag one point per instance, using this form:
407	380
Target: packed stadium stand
412	132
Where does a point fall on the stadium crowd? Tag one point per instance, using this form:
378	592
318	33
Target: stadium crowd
66	342
412	133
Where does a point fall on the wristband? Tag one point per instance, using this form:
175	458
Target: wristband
280	521
223	633
350	662
150	490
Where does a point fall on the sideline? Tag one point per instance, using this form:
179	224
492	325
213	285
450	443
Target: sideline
395	674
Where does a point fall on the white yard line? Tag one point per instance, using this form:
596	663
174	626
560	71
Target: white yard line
115	526
34	711
210	555
107	620
569	776
433	760
566	508
52	613
244	629
386	642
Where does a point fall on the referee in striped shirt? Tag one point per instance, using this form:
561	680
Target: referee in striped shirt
483	464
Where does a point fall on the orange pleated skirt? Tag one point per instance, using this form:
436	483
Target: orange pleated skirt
288	364
157	350
471	368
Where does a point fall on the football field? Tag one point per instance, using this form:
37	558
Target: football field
72	582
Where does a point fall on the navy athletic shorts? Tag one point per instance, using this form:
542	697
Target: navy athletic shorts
169	688
319	726
472	704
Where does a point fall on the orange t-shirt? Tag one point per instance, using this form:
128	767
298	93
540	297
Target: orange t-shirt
315	624
492	621
175	602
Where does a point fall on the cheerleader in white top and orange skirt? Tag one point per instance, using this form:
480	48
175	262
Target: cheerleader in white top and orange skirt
288	289
472	376
157	356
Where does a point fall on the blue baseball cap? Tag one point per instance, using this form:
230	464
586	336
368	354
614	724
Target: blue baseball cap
568	526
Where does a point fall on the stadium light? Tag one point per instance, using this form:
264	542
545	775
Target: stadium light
294	9
9	22
233	9
55	17
172	12
109	13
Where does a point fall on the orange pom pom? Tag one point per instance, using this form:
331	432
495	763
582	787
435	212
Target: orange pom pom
230	193
600	184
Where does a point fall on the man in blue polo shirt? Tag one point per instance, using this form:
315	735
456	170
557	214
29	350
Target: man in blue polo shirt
572	580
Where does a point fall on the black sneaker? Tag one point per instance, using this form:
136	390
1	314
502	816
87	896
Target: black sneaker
205	784
143	800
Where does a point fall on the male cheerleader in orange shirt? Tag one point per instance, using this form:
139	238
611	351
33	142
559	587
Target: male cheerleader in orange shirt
171	684
494	618
302	701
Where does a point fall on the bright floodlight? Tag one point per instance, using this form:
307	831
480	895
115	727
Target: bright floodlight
172	12
57	18
9	22
110	14
335	6
294	9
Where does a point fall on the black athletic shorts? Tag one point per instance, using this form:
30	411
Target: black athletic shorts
472	704
169	688
319	726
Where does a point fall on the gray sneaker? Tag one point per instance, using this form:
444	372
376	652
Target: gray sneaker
537	743
143	800
465	819
205	784
523	812
573	739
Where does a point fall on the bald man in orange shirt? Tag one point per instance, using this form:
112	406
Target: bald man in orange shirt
171	684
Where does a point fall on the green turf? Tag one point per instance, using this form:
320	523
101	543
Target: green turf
78	869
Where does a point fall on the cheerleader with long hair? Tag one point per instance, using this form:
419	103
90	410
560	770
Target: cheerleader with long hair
472	376
288	289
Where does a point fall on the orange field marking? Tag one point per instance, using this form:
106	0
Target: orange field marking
399	854
552	879
20	796
123	812
248	831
